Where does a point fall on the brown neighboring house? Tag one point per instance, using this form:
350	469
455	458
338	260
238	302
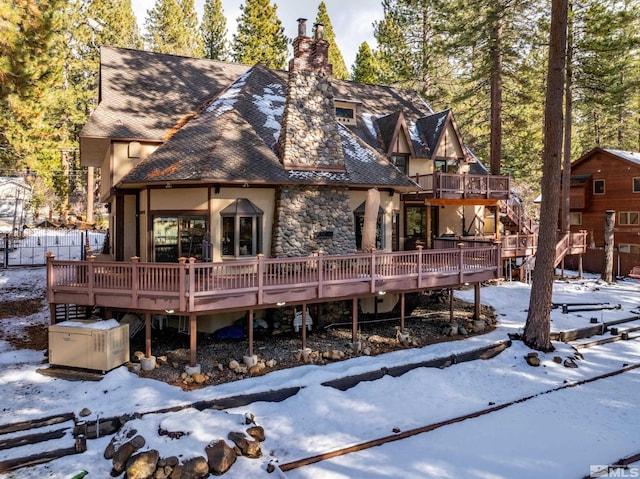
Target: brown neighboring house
606	179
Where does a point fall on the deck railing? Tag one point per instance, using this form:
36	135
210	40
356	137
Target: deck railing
189	286
446	185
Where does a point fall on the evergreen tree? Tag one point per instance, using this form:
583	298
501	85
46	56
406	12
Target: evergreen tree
260	35
393	49
606	75
335	56
214	30
29	65
365	67
172	27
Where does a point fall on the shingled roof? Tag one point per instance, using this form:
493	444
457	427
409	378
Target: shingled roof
219	122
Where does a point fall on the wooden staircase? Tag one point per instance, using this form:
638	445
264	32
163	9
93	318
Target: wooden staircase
514	215
567	244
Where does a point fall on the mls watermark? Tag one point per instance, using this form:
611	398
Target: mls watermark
603	470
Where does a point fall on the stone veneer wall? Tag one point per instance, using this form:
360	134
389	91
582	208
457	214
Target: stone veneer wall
309	219
309	138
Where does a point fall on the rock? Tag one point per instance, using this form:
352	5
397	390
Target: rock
532	354
113	445
220	367
478	326
333	355
256	432
199	378
270	468
142	465
233	365
195	468
366	351
271	363
124	452
85	412
176	473
570	363
171	461
462	330
162	359
532	360
248	447
162	472
220	457
138	355
257	368
557	359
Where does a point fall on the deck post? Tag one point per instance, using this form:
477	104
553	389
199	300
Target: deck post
250	331
372	270
304	325
147	334
320	274
193	337
260	259
134	281
419	265
402	312
580	266
354	315
192	283
451	305
182	284
476	301
461	263
52	307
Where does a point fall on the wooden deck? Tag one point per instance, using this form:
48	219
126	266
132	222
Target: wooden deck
198	288
464	186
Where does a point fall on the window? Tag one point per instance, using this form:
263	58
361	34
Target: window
178	236
629	248
359	221
446	166
598	187
401	162
636	184
629	218
344	112
575	218
241	229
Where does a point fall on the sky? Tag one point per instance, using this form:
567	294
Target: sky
352	20
559	429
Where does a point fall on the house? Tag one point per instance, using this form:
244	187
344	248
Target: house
15	196
235	189
605	179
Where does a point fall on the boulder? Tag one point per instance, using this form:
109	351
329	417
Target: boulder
195	468
199	378
220	457
124	452
248	447
142	465
532	360
256	432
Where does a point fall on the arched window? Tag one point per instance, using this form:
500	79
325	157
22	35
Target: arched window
241	229
358	214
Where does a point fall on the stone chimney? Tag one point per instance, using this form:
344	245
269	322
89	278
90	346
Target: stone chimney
311	218
309	137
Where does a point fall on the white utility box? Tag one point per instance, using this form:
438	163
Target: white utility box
89	344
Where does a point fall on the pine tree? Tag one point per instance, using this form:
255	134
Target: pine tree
335	56
29	65
365	67
393	52
260	35
214	30
172	27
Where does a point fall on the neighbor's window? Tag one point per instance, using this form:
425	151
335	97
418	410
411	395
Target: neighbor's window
401	162
241	229
358	214
629	218
598	187
344	112
575	218
636	184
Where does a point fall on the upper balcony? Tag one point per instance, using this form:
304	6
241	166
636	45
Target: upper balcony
463	186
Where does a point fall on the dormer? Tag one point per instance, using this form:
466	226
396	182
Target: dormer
394	140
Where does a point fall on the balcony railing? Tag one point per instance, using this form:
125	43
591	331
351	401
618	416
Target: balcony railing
190	287
449	185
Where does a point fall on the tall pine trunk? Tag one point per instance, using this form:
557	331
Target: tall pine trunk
495	153
537	329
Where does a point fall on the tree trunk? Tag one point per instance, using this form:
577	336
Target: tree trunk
495	153
537	329
607	267
568	108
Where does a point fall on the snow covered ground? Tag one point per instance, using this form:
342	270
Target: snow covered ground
552	434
